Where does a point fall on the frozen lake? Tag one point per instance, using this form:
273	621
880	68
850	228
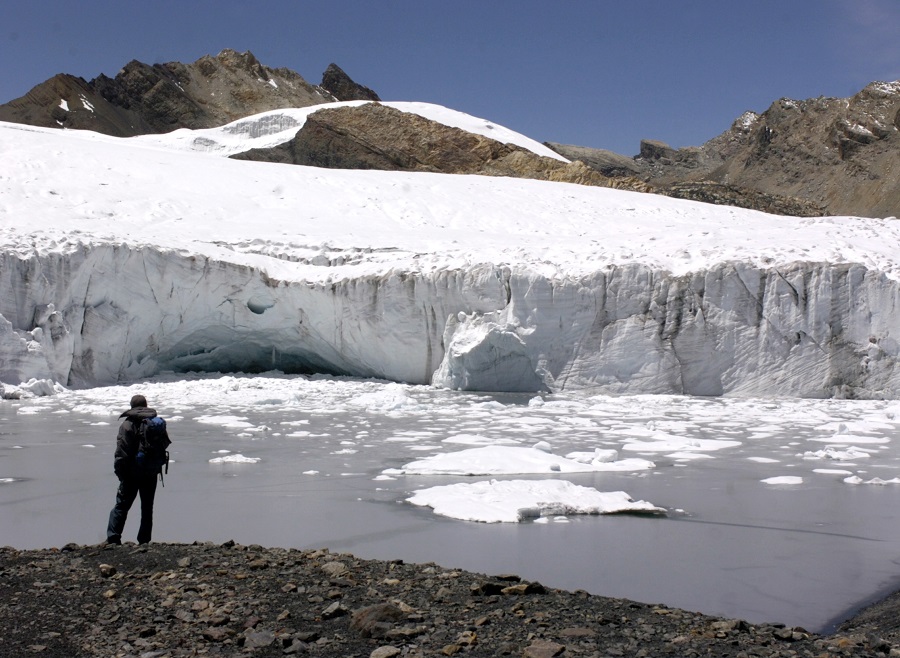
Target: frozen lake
803	548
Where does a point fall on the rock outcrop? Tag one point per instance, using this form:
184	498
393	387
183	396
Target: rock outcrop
374	136
159	98
723	194
606	162
657	156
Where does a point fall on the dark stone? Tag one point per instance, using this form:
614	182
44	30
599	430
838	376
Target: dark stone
339	85
371	620
652	149
336	609
606	162
487	589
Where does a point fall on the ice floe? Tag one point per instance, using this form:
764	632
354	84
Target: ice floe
500	460
513	501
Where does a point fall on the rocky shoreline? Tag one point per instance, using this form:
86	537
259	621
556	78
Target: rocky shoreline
162	600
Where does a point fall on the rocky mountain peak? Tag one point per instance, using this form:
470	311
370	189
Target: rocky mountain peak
339	85
745	122
144	98
245	61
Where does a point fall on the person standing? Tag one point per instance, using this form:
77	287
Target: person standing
135	478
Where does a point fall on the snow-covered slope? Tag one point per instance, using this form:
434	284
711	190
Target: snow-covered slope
278	126
122	258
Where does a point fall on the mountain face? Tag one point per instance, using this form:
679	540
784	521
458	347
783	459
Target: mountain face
836	156
144	99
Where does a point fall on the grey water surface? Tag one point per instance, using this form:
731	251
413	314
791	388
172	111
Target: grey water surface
729	546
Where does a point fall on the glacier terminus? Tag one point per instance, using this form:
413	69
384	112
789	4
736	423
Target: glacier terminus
124	258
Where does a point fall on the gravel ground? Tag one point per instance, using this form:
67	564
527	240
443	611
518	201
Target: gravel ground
230	600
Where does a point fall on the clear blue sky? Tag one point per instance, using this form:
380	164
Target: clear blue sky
596	73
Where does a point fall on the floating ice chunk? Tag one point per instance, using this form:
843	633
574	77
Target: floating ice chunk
499	460
513	501
405	437
478	440
784	479
236	422
687	456
849	439
389	398
32	388
852	453
310	473
598	455
855	479
29	411
672	443
543	446
832	471
234	459
630	464
763	460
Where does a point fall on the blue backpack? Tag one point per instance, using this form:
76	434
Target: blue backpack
152	454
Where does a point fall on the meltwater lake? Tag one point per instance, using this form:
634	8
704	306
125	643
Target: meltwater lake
779	510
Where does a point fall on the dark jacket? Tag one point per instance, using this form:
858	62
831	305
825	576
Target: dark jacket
124	462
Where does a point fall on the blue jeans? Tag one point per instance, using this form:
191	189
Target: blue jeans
129	488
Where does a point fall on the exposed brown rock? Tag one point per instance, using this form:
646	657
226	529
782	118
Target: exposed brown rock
374	136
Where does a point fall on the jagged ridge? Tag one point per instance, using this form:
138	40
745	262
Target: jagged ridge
159	98
835	156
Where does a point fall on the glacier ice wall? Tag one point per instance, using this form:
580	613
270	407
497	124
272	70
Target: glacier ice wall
811	330
102	314
98	314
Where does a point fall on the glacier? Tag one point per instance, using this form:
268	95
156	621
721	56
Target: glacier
123	258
